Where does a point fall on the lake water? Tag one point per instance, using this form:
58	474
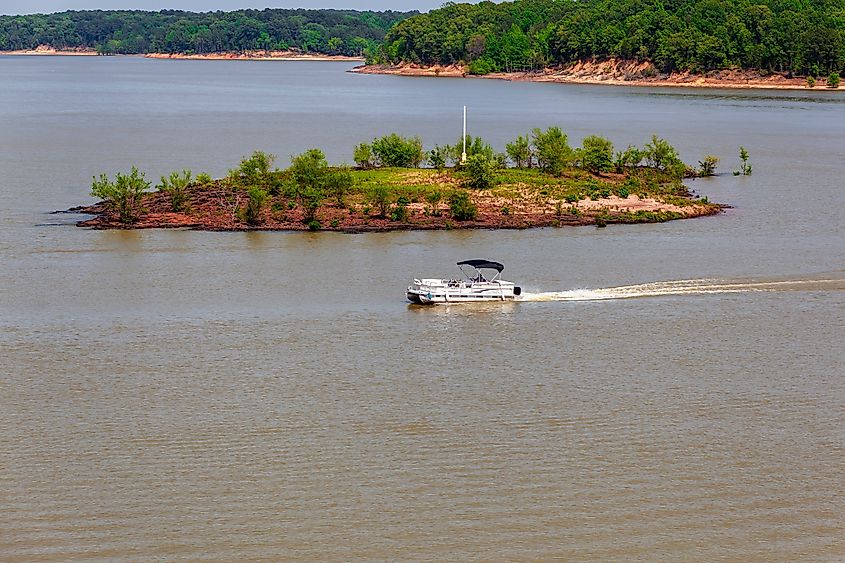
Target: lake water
222	396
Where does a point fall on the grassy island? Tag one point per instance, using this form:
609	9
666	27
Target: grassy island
549	184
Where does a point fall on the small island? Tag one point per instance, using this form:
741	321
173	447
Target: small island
540	181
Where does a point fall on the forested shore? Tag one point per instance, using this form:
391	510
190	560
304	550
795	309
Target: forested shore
771	39
792	37
330	32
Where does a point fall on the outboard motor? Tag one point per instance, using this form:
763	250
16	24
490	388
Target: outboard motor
517	291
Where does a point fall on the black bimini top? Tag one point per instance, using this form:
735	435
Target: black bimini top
483	264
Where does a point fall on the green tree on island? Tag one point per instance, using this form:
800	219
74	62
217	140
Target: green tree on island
631	157
310	171
394	151
438	156
552	150
254	170
338	184
661	155
519	151
124	194
362	154
480	172
596	154
474	145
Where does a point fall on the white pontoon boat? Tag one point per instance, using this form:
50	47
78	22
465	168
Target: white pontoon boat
474	288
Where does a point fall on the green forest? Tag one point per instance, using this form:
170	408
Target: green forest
802	37
335	32
805	37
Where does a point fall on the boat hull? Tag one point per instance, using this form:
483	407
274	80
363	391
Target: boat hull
423	294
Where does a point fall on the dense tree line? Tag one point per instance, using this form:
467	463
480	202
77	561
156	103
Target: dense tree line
794	36
340	32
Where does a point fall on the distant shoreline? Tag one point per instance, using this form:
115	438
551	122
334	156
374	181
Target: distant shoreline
253	56
222	56
49	51
611	73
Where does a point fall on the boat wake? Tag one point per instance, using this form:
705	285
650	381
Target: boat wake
832	282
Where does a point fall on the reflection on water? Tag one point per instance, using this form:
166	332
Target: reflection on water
466	309
745	99
266	396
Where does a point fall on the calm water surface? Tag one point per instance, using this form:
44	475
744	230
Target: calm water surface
221	396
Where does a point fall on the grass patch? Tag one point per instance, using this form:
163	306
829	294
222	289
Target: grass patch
642	216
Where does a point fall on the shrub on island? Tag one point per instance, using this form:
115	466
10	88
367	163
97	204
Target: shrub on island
256	198
519	151
395	151
254	170
552	150
124	194
176	186
462	207
480	172
596	154
707	167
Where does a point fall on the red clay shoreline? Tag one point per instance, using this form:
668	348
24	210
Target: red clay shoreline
609	73
612	72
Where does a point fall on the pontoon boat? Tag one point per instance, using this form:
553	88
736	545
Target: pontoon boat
474	288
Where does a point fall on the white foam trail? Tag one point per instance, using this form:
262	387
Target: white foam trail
679	287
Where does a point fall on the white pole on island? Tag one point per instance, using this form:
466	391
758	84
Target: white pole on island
464	138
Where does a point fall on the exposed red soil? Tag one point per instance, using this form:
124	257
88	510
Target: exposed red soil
215	209
616	72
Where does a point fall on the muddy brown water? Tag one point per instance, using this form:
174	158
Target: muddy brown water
664	392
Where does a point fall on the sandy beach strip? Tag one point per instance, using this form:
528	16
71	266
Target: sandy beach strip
44	50
254	56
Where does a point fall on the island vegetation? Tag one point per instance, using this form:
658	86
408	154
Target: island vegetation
641	38
330	32
539	181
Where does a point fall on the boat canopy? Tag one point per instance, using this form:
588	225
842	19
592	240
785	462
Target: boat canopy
477	264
